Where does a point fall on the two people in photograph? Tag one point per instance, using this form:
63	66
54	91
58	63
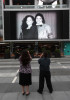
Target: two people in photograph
25	72
35	28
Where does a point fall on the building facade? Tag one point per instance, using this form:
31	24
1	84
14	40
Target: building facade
56	14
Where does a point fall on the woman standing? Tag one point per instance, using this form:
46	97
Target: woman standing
25	71
29	28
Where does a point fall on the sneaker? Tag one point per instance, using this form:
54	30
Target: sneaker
40	92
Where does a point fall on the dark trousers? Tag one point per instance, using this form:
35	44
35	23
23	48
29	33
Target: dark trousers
45	75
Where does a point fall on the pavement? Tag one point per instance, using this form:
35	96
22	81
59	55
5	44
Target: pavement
60	77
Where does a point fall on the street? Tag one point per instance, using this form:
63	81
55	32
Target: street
60	76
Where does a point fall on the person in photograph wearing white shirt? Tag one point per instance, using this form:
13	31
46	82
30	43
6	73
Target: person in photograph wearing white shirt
44	30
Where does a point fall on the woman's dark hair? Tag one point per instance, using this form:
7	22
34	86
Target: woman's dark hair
25	58
39	14
45	54
24	25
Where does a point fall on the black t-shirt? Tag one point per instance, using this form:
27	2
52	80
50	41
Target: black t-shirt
44	64
30	34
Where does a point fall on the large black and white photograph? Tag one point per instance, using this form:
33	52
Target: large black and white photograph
37	25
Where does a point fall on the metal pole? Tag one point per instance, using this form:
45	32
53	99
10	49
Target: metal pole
36	47
10	2
11	48
61	3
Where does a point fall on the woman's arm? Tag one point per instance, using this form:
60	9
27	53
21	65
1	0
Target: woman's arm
41	55
29	55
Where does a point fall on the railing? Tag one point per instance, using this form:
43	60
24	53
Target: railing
34	6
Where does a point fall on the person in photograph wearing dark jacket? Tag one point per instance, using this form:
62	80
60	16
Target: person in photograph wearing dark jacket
44	62
29	28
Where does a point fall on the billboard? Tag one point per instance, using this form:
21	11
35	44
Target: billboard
36	25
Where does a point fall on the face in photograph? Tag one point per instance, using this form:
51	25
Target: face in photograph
29	22
39	20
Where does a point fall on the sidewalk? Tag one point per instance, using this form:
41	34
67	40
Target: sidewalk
56	95
12	91
61	86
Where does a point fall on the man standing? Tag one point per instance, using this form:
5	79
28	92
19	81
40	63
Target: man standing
44	62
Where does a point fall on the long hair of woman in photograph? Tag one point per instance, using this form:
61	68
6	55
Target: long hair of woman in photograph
44	30
29	28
